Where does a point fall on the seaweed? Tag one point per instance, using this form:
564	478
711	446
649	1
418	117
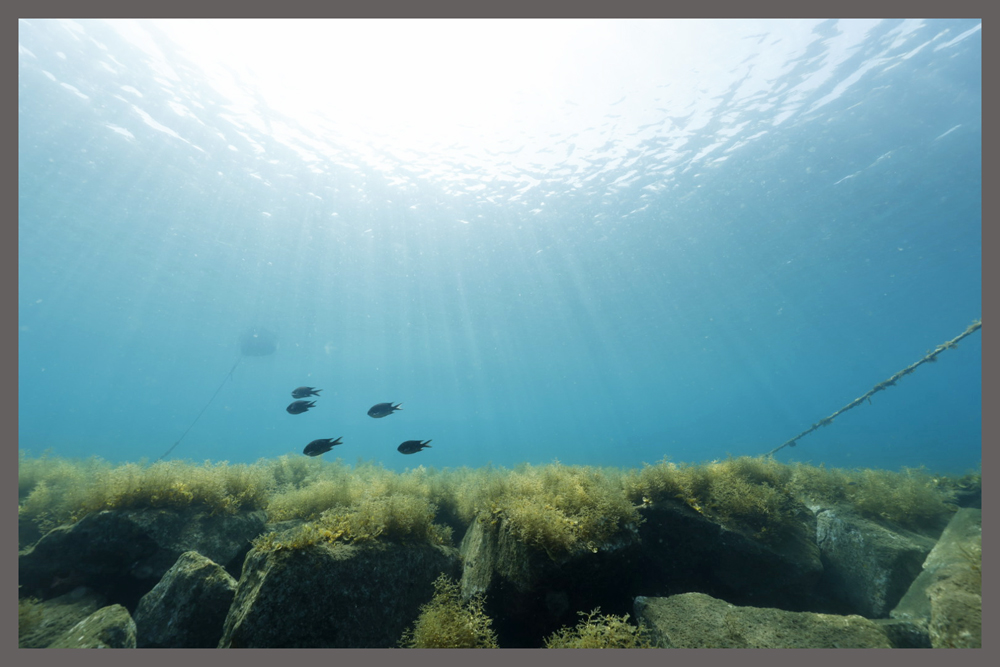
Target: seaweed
448	622
750	494
558	509
555	508
393	518
597	631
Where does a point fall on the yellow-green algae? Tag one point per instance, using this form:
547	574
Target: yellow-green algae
597	631
448	622
556	508
752	494
401	518
29	617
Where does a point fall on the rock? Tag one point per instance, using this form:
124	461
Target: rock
685	551
956	612
903	633
946	598
188	608
950	550
124	553
27	532
867	567
695	620
108	627
529	595
51	618
334	595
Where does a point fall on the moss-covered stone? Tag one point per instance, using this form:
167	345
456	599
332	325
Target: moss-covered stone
124	553
333	595
695	620
685	550
108	627
40	622
946	598
867	567
188	607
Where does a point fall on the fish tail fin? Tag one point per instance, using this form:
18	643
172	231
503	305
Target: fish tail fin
396	407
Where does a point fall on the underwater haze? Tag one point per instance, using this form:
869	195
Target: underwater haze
602	242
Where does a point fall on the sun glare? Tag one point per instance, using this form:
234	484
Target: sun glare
521	96
418	82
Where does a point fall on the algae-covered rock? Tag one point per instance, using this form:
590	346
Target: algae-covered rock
124	553
946	598
41	622
333	595
684	550
188	607
695	620
867	566
951	553
903	633
956	611
108	627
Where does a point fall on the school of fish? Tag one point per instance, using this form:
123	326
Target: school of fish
323	445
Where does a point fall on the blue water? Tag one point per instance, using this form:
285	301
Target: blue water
703	277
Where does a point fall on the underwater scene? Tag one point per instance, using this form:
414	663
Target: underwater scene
499	334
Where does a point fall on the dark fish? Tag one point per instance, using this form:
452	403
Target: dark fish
298	407
412	446
383	410
321	446
302	392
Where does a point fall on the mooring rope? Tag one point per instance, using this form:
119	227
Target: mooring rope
228	375
931	356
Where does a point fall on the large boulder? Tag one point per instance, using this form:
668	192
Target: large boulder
695	620
685	551
124	553
334	595
188	607
946	597
867	566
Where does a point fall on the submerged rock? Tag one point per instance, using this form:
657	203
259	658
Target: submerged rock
695	620
108	627
188	608
43	621
334	595
123	553
530	594
867	567
946	598
684	551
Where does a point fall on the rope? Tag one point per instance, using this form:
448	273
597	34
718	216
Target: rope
228	375
885	384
